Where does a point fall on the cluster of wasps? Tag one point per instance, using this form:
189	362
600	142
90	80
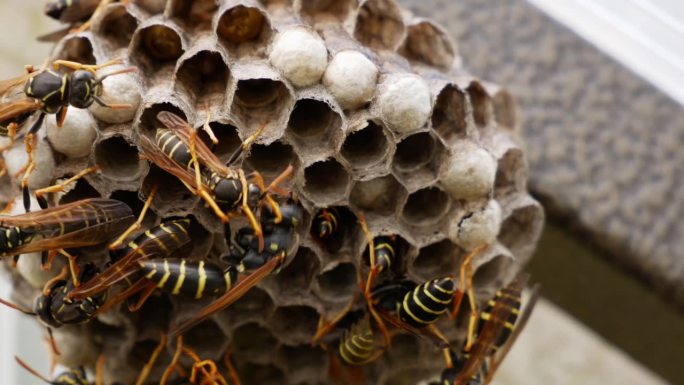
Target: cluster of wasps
158	258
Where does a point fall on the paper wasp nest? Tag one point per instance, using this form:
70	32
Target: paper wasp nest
374	110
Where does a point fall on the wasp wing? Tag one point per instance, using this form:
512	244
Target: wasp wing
14	109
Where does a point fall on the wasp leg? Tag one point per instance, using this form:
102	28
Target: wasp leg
99	367
248	211
174	361
207	128
136	225
11	134
47	288
275	208
466	286
274	186
74	65
113	106
73	266
60	186
145	372
30	143
61	115
245	145
232	372
325	327
147	292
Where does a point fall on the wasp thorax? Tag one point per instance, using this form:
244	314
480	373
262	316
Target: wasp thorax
49	88
228	191
83	87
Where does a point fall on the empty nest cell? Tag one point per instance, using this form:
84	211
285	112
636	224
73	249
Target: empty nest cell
380	196
491	273
437	260
227	136
204	76
206	339
511	172
522	228
425	207
482	104
254	342
365	147
418	159
404	349
148	122
132	200
305	363
81	190
294	325
326	181
116	27
240	28
313	125
427	43
379	24
118	159
195	14
260	101
338	283
156	46
172	194
505	109
78	49
271	160
295	278
449	114
326	10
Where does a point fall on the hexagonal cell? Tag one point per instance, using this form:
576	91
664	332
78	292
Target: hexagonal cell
408	376
254	342
338	283
379	196
78	49
313	125
430	44
404	348
154	316
347	226
522	228
227	136
511	172
258	101
156	47
425	207
505	109
271	160
418	159
482	104
148	122
172	197
436	260
206	339
116	27
132	200
490	274
141	352
261	374
118	158
326	181
365	147
81	190
305	363
379	24
449	115
244	30
326	10
295	278
196	14
294	325
204	76
256	304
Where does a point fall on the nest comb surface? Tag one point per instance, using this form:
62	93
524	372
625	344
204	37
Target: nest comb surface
427	152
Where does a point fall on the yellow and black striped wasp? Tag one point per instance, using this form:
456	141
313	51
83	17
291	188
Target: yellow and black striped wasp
223	187
281	239
69	377
500	324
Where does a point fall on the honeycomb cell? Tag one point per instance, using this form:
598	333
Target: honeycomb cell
294	325
449	118
522	227
326	181
482	104
148	123
437	259
379	196
132	200
118	159
492	272
408	376
271	160
172	196
256	304
153	317
155	47
505	109
347	227
338	283
404	348
196	14
78	49
204	77
254	342
305	363
319	11
260	101
81	190
402	252
365	147
244	30
418	160
261	374
153	7
227	136
295	279
116	27
511	173
428	43
206	339
425	207
379	24
141	352
314	125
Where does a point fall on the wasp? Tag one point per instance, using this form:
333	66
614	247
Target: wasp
500	325
70	377
281	239
325	223
223	187
87	222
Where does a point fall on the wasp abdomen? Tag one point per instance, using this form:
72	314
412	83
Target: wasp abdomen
188	278
173	147
425	303
358	344
509	298
11	237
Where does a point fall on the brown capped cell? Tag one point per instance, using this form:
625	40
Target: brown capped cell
196	14
429	44
243	28
156	46
379	24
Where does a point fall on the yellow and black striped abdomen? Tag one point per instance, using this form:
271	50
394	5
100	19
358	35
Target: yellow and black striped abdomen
12	237
193	279
325	224
425	303
174	147
385	252
357	346
72	377
162	240
510	299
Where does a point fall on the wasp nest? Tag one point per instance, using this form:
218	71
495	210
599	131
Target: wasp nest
374	111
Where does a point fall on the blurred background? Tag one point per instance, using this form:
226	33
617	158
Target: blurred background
600	84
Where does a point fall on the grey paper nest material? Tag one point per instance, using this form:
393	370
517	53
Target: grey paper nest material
372	108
